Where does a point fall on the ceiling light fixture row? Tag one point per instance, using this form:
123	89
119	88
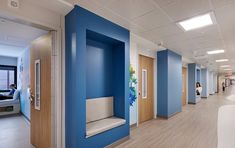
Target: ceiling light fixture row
215	51
222	60
197	22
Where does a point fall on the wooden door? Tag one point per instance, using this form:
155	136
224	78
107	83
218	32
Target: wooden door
146	87
184	86
40	84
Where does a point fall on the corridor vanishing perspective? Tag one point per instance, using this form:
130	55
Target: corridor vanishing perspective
194	127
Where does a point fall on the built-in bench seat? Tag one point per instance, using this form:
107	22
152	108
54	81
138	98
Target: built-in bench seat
102	125
100	116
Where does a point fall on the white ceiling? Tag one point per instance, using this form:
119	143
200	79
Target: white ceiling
156	20
14	37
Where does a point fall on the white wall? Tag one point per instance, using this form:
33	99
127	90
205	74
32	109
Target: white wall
211	83
141	46
215	82
31	13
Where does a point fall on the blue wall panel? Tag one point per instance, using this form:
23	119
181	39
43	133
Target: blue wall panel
162	84
169	83
205	82
194	76
79	25
199	75
98	70
192	83
174	83
8	61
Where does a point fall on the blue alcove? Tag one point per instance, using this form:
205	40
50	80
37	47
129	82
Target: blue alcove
97	65
194	76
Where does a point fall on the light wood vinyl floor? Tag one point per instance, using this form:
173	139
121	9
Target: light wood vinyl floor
194	127
14	132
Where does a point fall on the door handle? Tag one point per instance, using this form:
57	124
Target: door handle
31	96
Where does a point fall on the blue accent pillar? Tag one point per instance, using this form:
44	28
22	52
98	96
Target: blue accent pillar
205	82
169	83
194	76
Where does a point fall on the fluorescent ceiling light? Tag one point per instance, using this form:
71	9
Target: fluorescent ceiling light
197	22
215	51
227	69
224	66
222	60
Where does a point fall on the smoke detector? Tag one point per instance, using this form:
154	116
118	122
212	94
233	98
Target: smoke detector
14	4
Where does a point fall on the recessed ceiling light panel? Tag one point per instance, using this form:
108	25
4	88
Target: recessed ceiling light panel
222	60
225	66
228	69
215	51
197	22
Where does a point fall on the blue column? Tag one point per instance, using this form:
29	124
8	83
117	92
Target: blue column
194	76
169	83
205	82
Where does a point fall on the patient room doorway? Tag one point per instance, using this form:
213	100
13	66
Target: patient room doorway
25	62
146	86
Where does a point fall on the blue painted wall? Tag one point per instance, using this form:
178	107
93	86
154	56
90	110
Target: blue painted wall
198	75
191	83
162	83
169	83
205	82
194	76
8	61
98	69
80	27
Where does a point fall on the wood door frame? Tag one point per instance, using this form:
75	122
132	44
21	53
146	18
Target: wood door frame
57	99
154	84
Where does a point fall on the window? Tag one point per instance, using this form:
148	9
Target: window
8	76
144	83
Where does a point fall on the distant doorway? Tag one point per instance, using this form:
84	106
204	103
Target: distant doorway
184	72
146	86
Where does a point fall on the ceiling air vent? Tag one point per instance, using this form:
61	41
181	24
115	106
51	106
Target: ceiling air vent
13	4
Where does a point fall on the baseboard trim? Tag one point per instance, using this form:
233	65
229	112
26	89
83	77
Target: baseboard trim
163	117
204	97
120	141
133	126
10	115
25	118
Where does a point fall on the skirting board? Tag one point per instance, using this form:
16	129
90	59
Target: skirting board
193	103
133	126
168	116
118	142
